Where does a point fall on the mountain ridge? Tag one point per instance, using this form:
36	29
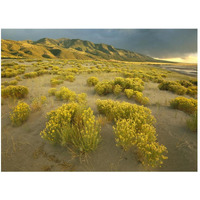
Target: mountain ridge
64	48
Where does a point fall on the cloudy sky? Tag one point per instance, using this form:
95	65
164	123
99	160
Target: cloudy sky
172	44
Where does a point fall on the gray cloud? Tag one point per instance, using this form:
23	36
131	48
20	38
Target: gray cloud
160	43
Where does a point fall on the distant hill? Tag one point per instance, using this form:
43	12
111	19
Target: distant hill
68	49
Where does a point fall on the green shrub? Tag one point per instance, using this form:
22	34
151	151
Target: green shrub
20	114
186	105
92	81
73	125
14	91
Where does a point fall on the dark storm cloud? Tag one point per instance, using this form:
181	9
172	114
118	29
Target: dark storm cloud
160	43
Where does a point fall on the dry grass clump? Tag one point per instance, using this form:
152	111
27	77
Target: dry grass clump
14	91
73	125
192	122
20	114
37	103
186	105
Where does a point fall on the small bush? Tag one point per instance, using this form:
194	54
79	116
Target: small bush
14	92
192	90
18	78
65	94
129	93
186	105
54	82
92	81
140	99
20	114
70	78
117	89
30	75
13	82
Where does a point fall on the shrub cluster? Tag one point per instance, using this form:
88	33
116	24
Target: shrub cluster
66	94
119	84
92	81
179	87
138	96
74	125
14	91
20	114
54	82
7	83
134	127
186	105
30	75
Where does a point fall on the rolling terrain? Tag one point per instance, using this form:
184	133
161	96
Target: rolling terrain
68	49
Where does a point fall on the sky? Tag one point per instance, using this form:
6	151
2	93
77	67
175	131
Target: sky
169	44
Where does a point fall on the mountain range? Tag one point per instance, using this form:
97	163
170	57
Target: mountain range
68	49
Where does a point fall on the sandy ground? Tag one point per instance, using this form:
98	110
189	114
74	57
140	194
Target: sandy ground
24	150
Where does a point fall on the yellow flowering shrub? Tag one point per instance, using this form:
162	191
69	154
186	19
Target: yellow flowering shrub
173	86
72	124
65	94
70	78
30	75
134	127
54	82
123	110
129	93
20	114
127	135
138	96
13	82
104	87
18	78
18	91
117	89
186	105
52	91
92	81
192	90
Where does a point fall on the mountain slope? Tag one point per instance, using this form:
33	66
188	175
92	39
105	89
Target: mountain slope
67	49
